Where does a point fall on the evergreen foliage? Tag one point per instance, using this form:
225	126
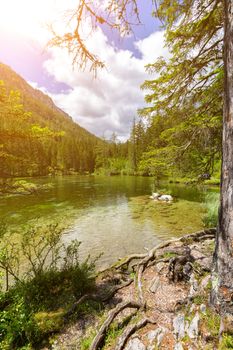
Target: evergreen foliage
185	97
42	141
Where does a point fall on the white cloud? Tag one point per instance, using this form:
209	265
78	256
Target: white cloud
108	103
103	105
152	47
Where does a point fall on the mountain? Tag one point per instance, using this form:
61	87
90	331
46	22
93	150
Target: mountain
64	146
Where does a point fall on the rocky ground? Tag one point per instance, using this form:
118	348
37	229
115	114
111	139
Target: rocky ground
158	300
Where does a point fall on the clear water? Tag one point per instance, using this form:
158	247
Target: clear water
109	215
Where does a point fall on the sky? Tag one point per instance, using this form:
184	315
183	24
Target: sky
102	105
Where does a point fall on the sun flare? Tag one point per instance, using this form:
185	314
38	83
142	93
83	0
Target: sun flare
30	19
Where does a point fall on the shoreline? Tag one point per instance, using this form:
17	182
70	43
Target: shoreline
154	300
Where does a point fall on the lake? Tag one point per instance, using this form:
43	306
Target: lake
109	215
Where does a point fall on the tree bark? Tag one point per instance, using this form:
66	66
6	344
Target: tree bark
222	276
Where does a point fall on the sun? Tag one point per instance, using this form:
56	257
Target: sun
31	18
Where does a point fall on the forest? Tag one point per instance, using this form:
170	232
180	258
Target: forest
36	137
39	139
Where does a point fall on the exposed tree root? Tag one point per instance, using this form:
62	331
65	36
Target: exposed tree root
99	338
183	261
197	237
139	284
96	297
129	259
130	330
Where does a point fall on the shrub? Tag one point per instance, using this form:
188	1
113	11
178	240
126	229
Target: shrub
34	306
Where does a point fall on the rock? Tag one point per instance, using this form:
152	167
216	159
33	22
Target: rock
196	253
226	324
156	336
193	330
178	346
135	344
206	263
187	271
165	198
155	195
193	286
192	308
204	282
154	285
159	267
203	308
179	328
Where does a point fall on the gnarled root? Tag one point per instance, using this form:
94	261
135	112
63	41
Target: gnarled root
130	330
129	259
99	338
96	297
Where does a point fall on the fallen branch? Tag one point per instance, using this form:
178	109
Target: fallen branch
99	338
130	330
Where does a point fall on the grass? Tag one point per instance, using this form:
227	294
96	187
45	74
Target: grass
226	342
168	255
211	321
210	218
86	342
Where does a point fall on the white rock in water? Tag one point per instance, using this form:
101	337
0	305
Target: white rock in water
165	197
155	195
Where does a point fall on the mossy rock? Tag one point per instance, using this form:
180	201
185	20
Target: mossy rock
49	322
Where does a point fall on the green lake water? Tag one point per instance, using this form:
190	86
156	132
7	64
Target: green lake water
109	215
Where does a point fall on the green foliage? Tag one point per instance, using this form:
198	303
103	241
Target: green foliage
86	342
185	97
43	141
113	332
33	307
226	342
211	321
210	219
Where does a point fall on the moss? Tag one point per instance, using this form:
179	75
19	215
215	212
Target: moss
114	332
211	321
86	342
49	322
226	342
199	299
168	255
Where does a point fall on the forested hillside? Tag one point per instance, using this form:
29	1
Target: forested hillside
36	137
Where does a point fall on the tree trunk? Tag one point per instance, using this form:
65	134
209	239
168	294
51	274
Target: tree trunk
222	277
